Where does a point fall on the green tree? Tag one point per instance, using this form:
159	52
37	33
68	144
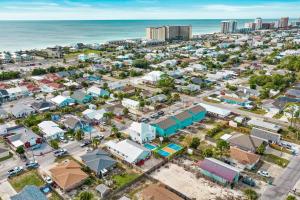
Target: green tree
86	195
195	143
54	144
222	146
250	194
261	149
141	63
79	135
20	150
291	197
208	152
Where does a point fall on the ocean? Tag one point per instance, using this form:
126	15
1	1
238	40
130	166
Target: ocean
23	35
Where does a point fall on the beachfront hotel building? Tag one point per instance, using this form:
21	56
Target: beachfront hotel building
169	33
229	26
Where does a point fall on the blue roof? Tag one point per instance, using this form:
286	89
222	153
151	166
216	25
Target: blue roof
29	192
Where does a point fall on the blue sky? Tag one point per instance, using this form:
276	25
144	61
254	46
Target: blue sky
147	9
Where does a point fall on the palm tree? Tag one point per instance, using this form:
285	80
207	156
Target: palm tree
86	195
95	143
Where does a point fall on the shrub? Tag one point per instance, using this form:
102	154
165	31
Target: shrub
251	194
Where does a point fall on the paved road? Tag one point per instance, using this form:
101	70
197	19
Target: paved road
284	183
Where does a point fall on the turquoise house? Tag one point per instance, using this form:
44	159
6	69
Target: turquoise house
198	113
81	97
236	101
166	127
62	101
183	119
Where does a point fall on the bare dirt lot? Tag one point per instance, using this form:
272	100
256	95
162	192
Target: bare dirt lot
187	183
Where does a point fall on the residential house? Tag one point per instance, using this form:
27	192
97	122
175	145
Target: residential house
243	159
130	104
293	93
68	175
51	130
29	192
264	125
198	113
81	97
97	92
99	162
17	92
62	101
95	115
215	111
166	127
141	132
219	171
160	98
129	151
267	136
245	142
74	123
21	110
25	138
183	119
42	106
152	77
237	101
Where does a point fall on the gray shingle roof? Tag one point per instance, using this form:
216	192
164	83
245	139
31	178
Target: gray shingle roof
98	160
265	135
30	192
166	123
183	116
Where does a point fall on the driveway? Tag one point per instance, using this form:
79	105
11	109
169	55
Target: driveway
6	190
285	182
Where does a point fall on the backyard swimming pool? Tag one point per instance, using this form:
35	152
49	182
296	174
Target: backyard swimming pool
150	146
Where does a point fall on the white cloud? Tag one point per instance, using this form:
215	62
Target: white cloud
74	10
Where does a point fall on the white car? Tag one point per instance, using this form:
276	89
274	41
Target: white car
48	180
263	173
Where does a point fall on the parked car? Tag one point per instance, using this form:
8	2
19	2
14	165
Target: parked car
85	143
249	181
48	180
60	152
62	139
71	138
32	165
155	116
145	120
15	171
160	112
263	173
99	137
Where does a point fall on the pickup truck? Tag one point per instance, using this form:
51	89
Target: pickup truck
60	152
32	165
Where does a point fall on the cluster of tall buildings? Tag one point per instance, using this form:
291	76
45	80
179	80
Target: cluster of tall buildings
229	26
257	24
169	33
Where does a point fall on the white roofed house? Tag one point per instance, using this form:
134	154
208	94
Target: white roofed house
62	101
152	77
95	115
141	132
21	110
51	130
130	104
129	151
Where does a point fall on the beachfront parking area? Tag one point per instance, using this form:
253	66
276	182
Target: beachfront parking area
193	187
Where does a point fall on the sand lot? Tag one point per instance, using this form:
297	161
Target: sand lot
187	183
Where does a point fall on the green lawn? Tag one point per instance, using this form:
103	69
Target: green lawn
276	160
27	178
255	111
7	157
121	180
